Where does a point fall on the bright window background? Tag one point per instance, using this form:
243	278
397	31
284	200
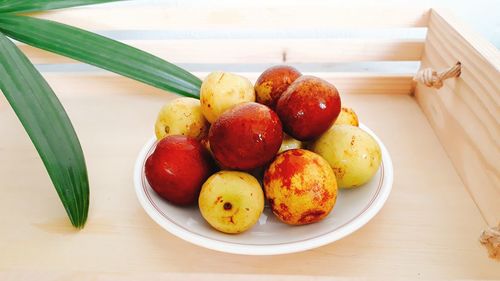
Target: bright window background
482	15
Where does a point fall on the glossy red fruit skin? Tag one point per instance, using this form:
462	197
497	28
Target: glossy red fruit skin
308	107
273	82
177	169
246	136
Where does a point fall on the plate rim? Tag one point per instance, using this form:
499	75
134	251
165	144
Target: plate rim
286	248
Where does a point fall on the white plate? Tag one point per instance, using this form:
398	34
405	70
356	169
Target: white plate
354	208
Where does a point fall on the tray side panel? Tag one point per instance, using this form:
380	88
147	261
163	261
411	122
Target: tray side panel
465	113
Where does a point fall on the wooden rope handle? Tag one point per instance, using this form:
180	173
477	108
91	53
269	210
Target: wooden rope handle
434	79
490	238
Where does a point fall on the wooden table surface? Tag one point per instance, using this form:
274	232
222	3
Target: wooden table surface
429	227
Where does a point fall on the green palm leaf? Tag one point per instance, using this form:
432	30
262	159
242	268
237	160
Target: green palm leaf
100	51
49	128
16	6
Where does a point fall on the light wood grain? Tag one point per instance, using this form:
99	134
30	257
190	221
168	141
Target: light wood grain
219	51
465	113
87	276
444	146
427	229
292	14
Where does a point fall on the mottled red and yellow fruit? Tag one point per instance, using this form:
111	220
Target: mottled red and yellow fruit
273	82
300	187
308	107
177	169
246	136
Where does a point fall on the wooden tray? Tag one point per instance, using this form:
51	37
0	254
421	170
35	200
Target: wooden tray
444	143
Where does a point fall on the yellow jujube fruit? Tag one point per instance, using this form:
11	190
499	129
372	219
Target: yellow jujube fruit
347	116
231	201
289	143
352	153
222	90
181	116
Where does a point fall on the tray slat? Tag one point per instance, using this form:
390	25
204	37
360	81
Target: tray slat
243	14
347	83
219	51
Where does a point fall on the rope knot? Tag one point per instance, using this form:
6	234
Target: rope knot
490	238
434	79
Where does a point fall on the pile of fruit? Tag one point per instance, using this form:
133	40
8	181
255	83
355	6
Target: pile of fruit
288	133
